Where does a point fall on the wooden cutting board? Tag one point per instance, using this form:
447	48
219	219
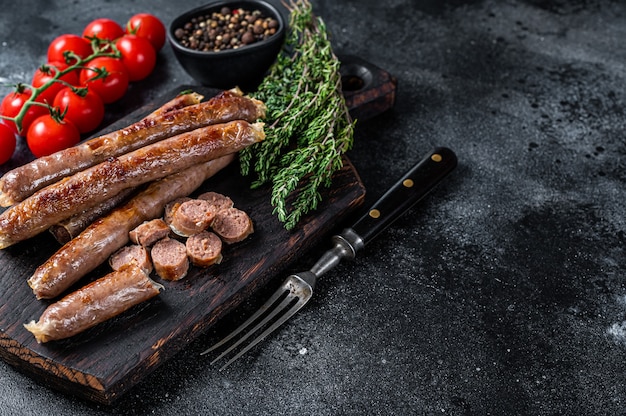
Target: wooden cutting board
104	362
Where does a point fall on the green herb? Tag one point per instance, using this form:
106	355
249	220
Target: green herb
308	127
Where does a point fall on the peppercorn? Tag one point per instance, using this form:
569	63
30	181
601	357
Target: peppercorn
225	29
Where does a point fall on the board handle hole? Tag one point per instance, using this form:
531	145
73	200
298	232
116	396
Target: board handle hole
355	77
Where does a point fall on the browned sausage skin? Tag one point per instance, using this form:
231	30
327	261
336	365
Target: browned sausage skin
94	303
87	188
93	246
21	182
182	100
71	227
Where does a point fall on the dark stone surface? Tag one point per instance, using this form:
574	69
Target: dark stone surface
502	293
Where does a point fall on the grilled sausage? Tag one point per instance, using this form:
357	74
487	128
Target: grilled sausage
232	225
218	200
69	228
192	216
93	246
133	253
87	188
170	260
182	100
149	232
94	303
204	249
21	182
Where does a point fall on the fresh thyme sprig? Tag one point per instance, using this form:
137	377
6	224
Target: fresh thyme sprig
308	127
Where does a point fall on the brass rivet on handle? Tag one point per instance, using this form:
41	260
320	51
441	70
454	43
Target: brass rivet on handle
374	213
436	157
408	183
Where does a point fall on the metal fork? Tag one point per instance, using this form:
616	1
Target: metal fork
297	289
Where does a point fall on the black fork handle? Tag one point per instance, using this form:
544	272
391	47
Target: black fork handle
404	194
412	187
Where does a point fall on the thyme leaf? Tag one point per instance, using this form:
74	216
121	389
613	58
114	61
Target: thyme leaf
308	127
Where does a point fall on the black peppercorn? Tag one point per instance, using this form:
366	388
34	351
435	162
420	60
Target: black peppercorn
226	29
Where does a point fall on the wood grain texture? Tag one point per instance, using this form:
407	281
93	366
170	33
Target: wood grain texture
104	362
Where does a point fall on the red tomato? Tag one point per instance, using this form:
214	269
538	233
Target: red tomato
147	26
110	88
68	42
12	105
47	135
86	111
45	73
105	29
138	56
7	143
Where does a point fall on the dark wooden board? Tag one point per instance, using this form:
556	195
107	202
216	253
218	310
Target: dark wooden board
104	362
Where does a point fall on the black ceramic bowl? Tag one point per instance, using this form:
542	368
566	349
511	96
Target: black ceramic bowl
243	67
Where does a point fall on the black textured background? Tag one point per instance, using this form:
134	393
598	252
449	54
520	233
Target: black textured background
503	293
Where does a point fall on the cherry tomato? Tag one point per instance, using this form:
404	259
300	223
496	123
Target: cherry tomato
47	135
113	86
85	109
104	29
68	42
147	26
7	143
45	73
138	56
12	105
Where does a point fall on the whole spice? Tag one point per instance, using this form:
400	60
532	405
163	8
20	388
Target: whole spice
308	125
226	29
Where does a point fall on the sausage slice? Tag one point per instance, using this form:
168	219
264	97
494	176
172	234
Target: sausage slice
133	253
192	216
232	225
172	207
204	249
170	260
218	200
149	232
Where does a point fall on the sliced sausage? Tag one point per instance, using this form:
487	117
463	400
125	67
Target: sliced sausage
204	249
218	200
232	225
172	207
21	182
94	303
93	246
133	253
192	216
170	260
149	232
91	186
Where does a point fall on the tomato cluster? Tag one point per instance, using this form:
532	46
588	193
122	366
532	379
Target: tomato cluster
74	103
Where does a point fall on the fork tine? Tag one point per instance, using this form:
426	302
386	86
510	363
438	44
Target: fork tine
293	294
265	320
288	314
278	294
